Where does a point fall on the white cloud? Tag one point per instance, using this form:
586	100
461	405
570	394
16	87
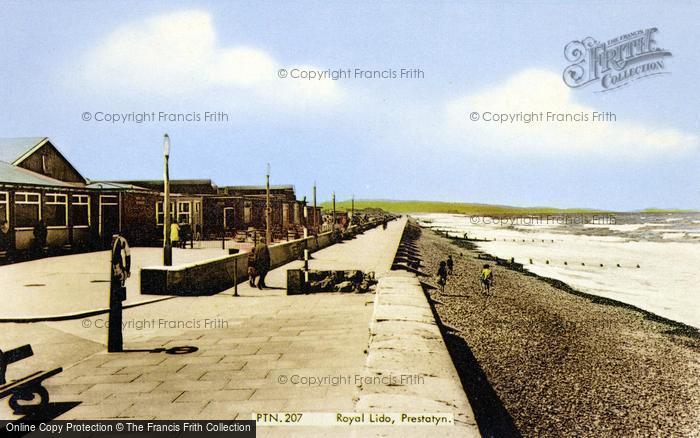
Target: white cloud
536	91
179	54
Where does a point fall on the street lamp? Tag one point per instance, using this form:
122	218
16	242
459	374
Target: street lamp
315	220
268	241
334	220
167	246
352	209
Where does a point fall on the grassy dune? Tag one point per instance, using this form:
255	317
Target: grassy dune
472	209
452	207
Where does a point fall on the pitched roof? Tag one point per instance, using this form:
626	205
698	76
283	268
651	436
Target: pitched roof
17	175
12	149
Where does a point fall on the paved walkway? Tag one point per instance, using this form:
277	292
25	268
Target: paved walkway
78	283
250	349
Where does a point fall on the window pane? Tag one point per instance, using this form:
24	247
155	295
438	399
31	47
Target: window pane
55	215
26	215
80	215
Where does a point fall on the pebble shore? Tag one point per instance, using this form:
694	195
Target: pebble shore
537	360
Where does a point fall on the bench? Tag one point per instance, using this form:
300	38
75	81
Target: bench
28	388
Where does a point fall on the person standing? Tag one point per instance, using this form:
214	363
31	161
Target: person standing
120	271
174	234
262	262
7	242
40	234
450	264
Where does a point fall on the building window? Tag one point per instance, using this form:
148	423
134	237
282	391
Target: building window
248	212
80	210
184	212
27	209
56	210
160	212
4	206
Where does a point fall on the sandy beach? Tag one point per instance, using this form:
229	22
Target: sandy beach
537	359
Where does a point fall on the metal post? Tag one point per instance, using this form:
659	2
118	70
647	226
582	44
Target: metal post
268	241
333	211
167	245
235	277
314	215
352	208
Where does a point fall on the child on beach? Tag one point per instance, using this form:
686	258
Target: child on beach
442	276
486	278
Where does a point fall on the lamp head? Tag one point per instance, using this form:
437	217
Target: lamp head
166	145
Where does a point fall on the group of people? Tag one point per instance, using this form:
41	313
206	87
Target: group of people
447	267
7	241
258	264
180	234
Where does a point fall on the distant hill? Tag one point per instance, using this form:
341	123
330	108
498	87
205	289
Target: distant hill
469	208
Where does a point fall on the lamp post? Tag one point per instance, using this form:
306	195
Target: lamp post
268	235
352	208
167	247
315	217
334	222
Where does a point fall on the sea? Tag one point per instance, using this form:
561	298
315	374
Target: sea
651	261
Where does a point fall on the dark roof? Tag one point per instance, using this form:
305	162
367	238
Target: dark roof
12	149
112	185
272	187
17	175
172	181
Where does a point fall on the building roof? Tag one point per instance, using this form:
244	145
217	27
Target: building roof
10	174
272	187
13	150
113	185
172	181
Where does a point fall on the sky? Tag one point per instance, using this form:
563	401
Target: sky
374	138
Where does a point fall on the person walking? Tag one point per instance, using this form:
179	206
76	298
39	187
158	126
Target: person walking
486	278
442	276
262	262
252	271
450	264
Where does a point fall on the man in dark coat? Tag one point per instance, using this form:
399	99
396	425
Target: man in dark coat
7	242
262	262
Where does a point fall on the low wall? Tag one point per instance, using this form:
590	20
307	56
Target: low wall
212	276
405	340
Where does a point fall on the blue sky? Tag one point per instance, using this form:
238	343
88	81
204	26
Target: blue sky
376	138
